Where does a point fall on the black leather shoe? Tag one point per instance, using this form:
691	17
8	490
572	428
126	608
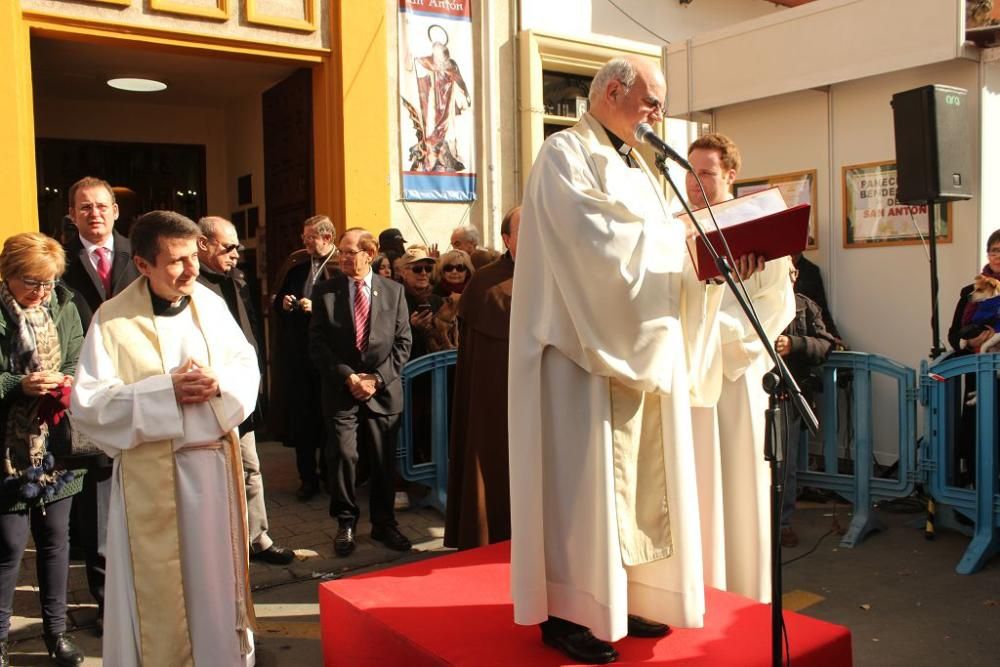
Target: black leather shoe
274	555
343	543
62	649
4	654
307	491
640	627
391	537
582	646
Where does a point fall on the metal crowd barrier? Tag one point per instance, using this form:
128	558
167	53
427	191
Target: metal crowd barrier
862	488
941	386
434	472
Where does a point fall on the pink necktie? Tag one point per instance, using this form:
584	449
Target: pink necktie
360	316
104	269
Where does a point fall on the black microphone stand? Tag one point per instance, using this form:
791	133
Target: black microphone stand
780	382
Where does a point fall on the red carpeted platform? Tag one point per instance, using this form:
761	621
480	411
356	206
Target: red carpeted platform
456	610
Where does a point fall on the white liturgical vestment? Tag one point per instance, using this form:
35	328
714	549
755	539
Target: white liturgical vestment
210	515
609	334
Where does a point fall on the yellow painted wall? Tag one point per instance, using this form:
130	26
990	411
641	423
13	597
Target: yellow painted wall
17	134
360	88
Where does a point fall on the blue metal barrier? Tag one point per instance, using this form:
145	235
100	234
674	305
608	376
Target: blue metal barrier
433	473
861	488
940	385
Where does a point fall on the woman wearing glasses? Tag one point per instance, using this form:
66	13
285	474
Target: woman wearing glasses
451	274
40	339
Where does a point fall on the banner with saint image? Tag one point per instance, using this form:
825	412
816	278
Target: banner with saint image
436	123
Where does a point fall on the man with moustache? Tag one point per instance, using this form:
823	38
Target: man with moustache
164	379
218	254
98	266
359	338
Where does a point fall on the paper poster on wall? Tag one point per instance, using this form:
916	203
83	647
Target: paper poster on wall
873	217
796	188
436	120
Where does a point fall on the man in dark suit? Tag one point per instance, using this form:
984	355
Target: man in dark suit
295	375
359	338
218	253
98	266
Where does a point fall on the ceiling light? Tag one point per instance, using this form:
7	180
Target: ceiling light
137	85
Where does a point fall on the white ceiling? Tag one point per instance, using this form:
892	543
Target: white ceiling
74	70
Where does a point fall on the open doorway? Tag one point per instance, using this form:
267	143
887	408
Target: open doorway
227	135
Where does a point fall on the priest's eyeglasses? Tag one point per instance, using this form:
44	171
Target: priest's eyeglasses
38	285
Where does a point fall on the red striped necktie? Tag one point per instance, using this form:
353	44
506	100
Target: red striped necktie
104	269
361	310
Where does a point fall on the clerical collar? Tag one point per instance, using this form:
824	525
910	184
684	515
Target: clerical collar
164	308
623	149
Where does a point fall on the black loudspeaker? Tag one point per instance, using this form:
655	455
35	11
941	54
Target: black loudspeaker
933	144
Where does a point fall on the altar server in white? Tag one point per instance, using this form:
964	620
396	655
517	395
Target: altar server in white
165	376
733	477
609	327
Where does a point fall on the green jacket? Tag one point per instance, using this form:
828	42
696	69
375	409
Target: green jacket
67	321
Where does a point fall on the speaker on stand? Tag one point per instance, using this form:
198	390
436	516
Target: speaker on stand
933	138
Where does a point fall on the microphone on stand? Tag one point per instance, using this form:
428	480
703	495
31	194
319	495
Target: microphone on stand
644	133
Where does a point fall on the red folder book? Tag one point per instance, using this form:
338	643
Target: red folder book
758	223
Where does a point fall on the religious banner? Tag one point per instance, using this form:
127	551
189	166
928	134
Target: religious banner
437	127
873	217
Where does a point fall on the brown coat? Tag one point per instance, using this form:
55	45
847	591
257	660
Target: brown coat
478	510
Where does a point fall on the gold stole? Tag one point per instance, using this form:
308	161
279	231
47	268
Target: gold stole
640	475
148	485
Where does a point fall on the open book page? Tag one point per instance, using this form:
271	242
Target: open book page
741	209
759	223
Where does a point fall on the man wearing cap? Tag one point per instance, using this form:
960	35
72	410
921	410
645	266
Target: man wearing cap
359	338
414	268
392	244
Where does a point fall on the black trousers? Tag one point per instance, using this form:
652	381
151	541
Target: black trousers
379	436
305	422
89	516
51	532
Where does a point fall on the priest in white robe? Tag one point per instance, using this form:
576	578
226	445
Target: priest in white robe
165	376
733	477
609	327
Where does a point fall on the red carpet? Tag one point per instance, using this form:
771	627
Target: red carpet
456	610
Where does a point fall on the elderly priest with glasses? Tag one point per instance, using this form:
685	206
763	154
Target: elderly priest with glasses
604	506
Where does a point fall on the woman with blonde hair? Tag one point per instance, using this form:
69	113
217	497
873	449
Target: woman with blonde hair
452	273
40	340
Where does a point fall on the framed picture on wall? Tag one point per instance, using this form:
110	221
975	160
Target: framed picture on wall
796	188
873	217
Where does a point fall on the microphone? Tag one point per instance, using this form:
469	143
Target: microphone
645	134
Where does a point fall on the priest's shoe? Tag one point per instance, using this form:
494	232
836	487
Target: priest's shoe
62	649
274	555
391	537
582	646
640	627
343	543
